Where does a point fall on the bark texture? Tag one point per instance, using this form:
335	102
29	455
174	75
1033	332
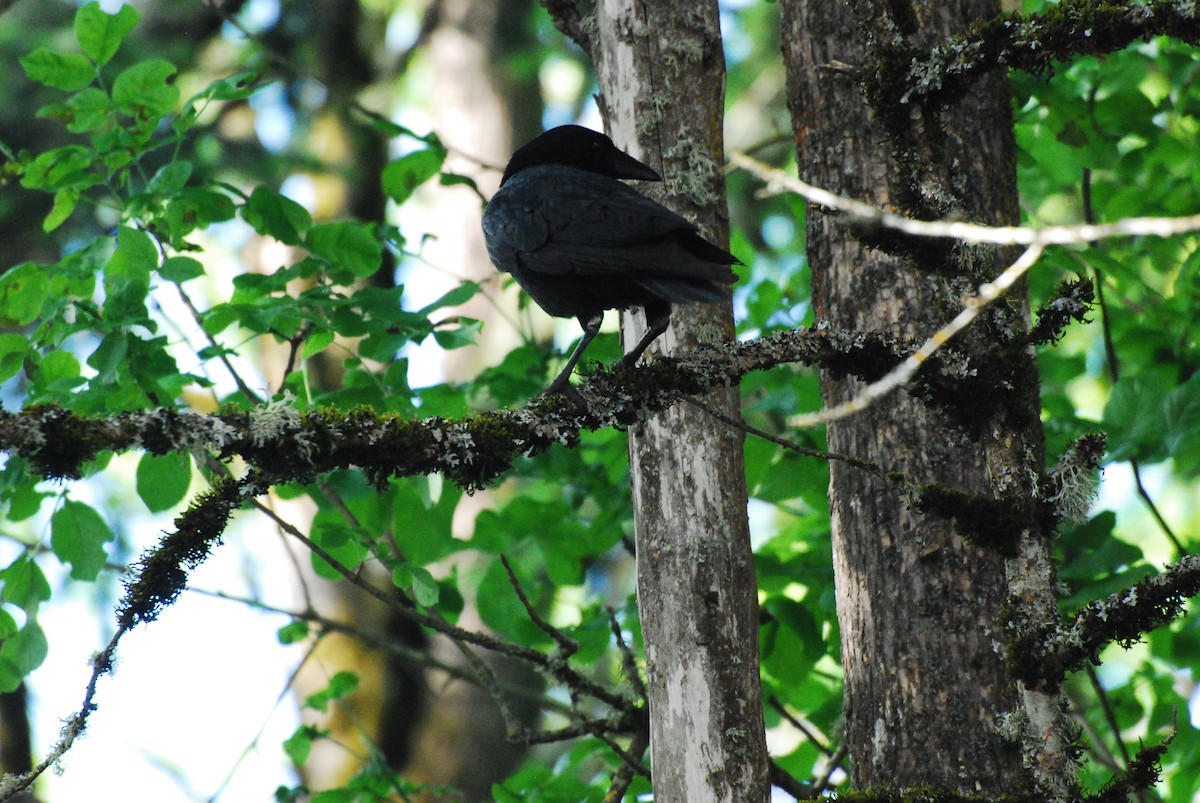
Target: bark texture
921	608
662	81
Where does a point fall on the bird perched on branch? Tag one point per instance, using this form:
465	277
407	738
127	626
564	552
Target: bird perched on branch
579	241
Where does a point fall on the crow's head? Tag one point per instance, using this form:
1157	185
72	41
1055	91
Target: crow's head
579	147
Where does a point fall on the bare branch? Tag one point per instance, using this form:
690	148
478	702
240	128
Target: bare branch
779	181
972	306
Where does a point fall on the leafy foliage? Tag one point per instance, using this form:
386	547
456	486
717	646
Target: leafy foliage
128	310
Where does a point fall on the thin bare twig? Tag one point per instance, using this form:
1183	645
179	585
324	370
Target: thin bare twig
217	348
625	774
779	181
795	722
628	659
1114	370
831	766
567	647
1109	716
820	454
972	306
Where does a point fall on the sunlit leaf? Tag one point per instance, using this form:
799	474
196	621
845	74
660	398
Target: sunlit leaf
100	33
77	536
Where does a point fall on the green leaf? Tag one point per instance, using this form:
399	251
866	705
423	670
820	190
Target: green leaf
235	87
109	356
316	343
293	632
25	584
163	480
387	127
1182	412
21	654
66	71
342	544
23	292
276	216
100	33
64	205
299	744
459	336
1134	418
14	350
56	367
422	525
8	625
142	90
127	276
501	609
78	536
425	589
24	501
459	295
196	208
68	167
402	576
340	685
170	178
347	245
180	269
791	642
452	179
402	177
90	109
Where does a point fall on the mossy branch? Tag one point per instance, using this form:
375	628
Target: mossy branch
1041	657
1035	42
286	445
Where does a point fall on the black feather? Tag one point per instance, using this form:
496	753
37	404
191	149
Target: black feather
579	241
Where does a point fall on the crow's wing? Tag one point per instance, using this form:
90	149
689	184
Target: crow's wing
562	221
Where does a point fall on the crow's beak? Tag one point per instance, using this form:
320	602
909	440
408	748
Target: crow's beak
622	165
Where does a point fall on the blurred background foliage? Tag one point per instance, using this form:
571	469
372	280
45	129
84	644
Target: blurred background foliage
257	161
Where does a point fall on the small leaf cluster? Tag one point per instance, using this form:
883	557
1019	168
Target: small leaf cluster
88	333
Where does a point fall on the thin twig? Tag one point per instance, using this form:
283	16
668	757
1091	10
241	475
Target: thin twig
625	773
1097	749
634	762
820	454
831	766
567	647
780	181
250	747
434	621
792	720
219	349
1109	716
102	663
789	783
1114	370
454	632
972	306
412	655
1153	508
628	659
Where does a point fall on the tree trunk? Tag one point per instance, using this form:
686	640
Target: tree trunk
696	585
920	608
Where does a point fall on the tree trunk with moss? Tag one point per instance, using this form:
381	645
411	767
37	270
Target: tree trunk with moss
661	72
922	602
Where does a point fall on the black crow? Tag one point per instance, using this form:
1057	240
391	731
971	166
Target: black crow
579	241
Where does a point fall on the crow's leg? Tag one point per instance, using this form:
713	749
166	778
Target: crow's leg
658	317
591	326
